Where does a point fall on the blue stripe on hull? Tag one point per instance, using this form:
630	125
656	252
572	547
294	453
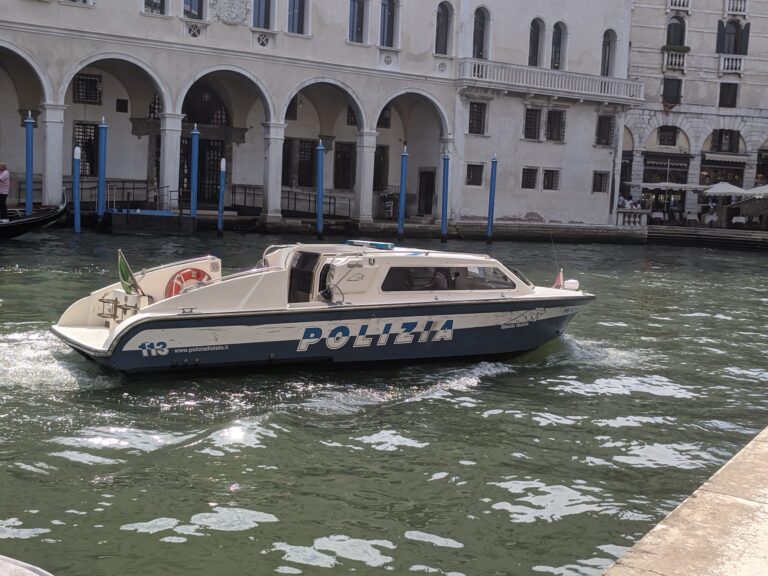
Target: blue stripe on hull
468	342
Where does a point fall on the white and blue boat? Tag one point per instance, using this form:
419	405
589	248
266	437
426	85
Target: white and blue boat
321	303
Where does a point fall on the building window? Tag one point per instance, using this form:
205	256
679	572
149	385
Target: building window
121	105
475	174
306	167
672	91
86	89
351	116
609	48
477	112
357	21
193	9
530	178
728	95
676	32
86	136
154	6
385	118
534	42
479	35
556	125
344	161
388	19
532	126
155	106
381	168
667	135
296	16
732	38
558	46
606	127
726	141
443	29
262	14
551	180
600	181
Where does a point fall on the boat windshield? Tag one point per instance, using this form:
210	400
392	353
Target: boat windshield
522	277
415	278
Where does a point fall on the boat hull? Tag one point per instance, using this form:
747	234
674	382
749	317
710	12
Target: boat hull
336	335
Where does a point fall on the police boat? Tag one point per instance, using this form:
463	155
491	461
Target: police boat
322	303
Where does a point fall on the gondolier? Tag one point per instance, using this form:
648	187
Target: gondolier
5	187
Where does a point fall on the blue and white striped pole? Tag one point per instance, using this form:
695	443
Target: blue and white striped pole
29	126
491	201
102	182
76	187
193	172
444	214
222	181
403	192
320	185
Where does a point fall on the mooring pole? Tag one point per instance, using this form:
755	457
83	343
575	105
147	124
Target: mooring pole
193	172
491	201
76	187
403	191
101	198
222	181
319	185
29	125
444	207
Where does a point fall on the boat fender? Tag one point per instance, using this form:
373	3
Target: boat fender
185	277
571	284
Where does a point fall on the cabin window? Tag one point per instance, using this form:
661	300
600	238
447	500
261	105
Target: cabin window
420	278
302	274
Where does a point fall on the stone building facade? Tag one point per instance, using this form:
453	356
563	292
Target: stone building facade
705	119
543	86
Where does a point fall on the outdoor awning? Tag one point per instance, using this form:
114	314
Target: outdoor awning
668	186
724	189
721	157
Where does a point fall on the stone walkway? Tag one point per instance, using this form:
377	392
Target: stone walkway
721	530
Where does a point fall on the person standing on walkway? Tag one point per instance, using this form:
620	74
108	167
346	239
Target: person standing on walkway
5	187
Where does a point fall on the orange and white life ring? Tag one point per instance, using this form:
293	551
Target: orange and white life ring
183	279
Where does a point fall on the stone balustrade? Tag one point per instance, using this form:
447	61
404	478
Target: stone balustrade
528	79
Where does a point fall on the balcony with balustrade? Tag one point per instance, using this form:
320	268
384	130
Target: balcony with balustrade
731	64
679	5
532	80
673	59
736	7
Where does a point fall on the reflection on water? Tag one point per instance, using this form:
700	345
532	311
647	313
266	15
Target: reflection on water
553	462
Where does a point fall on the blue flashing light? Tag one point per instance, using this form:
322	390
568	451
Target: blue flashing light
371	244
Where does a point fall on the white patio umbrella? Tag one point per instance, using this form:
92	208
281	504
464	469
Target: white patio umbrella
723	189
758	192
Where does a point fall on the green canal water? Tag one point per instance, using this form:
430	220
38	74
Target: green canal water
551	463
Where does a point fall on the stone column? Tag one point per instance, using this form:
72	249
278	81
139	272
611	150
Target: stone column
750	170
53	167
274	137
694	173
546	50
366	155
638	167
170	156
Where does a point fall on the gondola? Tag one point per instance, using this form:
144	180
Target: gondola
40	219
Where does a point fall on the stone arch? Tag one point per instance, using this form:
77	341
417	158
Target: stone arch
45	82
346	88
162	89
445	126
264	95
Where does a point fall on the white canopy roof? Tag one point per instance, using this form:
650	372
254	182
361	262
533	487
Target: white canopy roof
724	189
